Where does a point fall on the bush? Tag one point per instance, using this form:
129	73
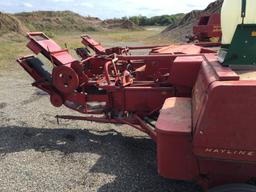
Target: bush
163	20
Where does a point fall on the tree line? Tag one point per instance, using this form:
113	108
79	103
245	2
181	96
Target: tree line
162	20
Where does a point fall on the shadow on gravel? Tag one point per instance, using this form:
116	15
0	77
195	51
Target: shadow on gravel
131	160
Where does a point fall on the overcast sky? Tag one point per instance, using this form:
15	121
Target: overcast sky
106	8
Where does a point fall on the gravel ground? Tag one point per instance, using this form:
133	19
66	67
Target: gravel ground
37	154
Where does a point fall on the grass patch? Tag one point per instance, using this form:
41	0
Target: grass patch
12	47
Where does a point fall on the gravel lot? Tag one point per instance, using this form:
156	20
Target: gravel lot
37	154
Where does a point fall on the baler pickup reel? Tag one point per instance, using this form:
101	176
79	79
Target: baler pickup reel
98	84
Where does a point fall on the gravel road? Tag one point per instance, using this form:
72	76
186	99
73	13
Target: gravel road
37	154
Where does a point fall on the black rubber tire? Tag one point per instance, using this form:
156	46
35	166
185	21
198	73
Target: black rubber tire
234	188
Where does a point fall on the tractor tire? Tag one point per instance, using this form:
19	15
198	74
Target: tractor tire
234	188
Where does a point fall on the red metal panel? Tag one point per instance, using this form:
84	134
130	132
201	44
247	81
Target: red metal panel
145	99
174	150
214	19
185	67
94	45
224	109
229	116
178	49
199	94
209	73
175	116
224	73
141	100
39	42
64	57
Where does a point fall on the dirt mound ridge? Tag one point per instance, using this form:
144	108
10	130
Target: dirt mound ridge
120	23
9	23
53	21
185	26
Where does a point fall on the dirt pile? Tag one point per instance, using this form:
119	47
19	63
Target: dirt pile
58	21
119	24
9	23
185	26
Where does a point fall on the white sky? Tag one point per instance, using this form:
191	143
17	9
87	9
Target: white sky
106	8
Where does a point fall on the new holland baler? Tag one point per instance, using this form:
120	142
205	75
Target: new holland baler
208	29
198	106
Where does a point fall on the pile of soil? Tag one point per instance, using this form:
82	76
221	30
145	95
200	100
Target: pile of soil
120	24
58	21
185	26
9	23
